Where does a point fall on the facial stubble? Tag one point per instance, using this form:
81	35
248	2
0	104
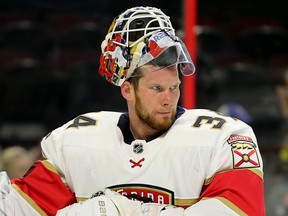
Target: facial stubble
149	119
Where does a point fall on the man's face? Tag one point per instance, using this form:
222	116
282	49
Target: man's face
157	97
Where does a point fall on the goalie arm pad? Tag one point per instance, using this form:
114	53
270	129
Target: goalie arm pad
11	203
113	204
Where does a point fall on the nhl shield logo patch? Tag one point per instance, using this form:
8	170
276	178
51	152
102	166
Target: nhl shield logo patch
243	152
138	147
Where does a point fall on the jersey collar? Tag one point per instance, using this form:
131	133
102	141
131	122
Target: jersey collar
124	122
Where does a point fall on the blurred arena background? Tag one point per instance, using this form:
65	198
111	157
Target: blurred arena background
49	53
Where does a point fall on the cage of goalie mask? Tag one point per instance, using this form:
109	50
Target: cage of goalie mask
138	36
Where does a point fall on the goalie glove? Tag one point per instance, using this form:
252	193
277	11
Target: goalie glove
172	211
96	206
111	203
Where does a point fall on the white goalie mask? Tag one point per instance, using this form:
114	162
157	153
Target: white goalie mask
138	36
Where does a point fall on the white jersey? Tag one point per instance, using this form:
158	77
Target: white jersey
91	154
203	161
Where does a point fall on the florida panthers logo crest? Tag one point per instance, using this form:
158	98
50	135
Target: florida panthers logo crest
243	151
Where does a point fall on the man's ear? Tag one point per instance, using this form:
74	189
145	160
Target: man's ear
127	90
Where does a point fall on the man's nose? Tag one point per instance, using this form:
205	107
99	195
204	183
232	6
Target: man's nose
166	97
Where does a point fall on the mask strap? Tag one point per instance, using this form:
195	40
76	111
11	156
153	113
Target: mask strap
136	57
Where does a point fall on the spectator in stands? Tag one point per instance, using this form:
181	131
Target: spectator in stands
282	92
16	160
277	193
235	110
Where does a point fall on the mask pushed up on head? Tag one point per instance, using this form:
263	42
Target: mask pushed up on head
139	36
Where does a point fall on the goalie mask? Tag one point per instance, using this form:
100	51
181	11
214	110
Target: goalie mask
139	36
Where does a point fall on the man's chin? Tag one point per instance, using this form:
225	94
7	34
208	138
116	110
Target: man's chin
163	124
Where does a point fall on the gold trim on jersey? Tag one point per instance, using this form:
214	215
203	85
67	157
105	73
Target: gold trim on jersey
81	199
254	170
178	202
208	181
49	166
184	202
257	172
229	204
29	200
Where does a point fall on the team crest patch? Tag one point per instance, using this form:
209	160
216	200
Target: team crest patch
153	193
243	152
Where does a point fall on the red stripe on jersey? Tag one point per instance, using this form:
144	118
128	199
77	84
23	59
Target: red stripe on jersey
242	187
44	186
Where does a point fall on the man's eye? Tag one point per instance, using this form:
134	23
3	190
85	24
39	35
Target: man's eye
174	87
157	88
